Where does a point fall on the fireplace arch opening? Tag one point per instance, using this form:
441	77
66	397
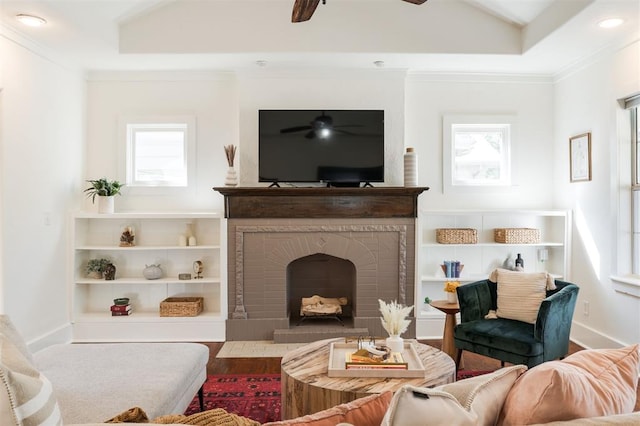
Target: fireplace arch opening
320	275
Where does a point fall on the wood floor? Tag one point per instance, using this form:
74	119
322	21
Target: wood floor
470	361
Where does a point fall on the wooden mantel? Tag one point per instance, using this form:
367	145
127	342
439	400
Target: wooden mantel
320	202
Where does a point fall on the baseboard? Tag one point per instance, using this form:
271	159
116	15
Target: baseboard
589	338
62	334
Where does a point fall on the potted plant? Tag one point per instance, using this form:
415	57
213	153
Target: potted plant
96	267
105	190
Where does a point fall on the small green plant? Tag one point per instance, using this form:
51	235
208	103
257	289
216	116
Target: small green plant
103	187
97	265
427	300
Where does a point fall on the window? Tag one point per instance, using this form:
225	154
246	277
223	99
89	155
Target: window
477	152
158	152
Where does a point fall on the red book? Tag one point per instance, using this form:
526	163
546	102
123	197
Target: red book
120	314
120	308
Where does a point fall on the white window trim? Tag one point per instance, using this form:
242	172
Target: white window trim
123	153
447	147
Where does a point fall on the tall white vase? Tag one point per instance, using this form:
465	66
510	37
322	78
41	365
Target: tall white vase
410	168
106	204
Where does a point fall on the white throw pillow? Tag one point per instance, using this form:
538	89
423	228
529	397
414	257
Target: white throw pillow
520	294
473	401
28	393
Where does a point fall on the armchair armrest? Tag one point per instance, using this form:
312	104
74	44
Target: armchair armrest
553	324
476	300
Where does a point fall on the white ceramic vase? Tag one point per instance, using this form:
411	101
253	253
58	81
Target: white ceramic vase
410	168
106	204
395	343
232	177
452	297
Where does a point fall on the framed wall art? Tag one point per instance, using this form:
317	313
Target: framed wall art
580	157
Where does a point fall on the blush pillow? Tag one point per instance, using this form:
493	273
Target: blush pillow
589	383
366	411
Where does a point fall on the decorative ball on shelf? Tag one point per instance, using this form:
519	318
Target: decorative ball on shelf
152	272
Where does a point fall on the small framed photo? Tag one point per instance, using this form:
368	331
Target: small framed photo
580	157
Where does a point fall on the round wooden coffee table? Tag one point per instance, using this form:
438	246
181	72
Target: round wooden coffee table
307	389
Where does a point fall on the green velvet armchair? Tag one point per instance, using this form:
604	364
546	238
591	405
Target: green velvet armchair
513	341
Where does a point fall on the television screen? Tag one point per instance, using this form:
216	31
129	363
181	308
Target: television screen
332	146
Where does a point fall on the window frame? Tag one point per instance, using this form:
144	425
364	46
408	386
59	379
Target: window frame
125	165
505	124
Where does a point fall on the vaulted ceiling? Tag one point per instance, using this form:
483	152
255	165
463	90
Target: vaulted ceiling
505	36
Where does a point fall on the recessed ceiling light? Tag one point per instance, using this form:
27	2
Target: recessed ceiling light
261	63
378	64
610	23
30	20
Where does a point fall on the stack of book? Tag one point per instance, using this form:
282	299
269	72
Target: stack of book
120	310
362	359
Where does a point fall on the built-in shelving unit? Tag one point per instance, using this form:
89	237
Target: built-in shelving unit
481	258
157	241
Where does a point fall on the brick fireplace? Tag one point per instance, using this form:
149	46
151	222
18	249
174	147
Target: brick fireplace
270	231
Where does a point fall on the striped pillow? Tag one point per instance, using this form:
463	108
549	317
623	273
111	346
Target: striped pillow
28	393
520	294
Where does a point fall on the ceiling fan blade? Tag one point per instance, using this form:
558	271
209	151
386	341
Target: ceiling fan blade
295	129
416	1
303	9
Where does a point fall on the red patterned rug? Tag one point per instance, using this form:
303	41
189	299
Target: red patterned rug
255	396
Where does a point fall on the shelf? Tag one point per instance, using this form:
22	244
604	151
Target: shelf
149	215
133	280
543	244
146	317
145	248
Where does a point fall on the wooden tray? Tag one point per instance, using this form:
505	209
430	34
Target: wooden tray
337	368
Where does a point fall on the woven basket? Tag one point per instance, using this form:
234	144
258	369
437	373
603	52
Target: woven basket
516	235
181	306
457	235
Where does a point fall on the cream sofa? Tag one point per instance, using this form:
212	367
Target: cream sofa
91	383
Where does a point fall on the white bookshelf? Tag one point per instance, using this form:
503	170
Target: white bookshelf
156	242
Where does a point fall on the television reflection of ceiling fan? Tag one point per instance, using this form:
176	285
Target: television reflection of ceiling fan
303	9
321	127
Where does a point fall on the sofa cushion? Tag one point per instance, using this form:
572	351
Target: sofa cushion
366	411
8	329
588	383
520	294
474	401
26	395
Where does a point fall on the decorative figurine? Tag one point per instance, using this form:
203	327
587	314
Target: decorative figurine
110	272
198	268
127	238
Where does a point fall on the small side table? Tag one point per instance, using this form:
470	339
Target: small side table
450	309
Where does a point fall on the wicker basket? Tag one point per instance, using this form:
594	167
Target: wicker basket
181	306
457	235
516	235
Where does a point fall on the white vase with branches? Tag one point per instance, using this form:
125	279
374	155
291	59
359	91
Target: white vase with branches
232	175
394	321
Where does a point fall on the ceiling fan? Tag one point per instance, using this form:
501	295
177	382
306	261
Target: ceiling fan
321	127
303	9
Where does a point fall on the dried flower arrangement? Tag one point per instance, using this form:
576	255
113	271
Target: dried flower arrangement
394	317
230	152
451	286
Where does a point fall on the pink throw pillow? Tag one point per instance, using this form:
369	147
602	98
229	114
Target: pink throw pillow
589	383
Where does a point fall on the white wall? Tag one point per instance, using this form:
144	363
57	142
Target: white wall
586	101
208	96
530	100
42	146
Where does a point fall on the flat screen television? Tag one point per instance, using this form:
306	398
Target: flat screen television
336	147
